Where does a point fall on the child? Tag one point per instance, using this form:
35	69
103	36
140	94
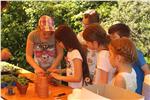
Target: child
121	30
41	44
122	55
96	39
89	17
77	69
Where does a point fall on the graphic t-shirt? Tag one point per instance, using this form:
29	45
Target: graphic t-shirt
91	55
74	54
44	52
91	61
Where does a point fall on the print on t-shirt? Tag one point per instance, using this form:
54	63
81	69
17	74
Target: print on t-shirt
69	68
44	54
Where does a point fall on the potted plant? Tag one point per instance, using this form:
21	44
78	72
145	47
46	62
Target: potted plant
15	71
22	84
8	81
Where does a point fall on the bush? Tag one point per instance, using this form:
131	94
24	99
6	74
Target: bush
21	17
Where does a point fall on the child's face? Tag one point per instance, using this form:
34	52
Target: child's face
114	36
61	45
91	45
112	57
85	22
46	34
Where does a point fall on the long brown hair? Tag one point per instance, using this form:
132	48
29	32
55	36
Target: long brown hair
94	32
66	35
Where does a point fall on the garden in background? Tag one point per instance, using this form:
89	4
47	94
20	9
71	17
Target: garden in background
19	18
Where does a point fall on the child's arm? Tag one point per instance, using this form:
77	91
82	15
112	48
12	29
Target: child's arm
104	66
59	71
120	82
29	58
103	77
77	73
146	69
58	59
144	66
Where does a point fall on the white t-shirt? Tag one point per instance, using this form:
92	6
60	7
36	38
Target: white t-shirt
130	80
103	63
74	54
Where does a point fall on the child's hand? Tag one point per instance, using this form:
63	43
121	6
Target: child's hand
39	71
56	76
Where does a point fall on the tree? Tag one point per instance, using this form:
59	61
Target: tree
136	15
21	17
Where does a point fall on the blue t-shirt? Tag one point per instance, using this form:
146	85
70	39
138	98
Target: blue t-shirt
139	72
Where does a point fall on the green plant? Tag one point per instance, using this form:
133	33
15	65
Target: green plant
9	79
21	17
15	71
22	80
7	68
22	84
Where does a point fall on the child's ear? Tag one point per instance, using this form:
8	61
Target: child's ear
118	57
117	36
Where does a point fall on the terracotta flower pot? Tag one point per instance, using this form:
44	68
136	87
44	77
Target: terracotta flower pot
41	86
22	88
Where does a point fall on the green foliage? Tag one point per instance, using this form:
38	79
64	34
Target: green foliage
136	15
22	80
9	69
9	79
21	17
147	60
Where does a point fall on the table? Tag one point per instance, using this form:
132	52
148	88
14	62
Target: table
31	95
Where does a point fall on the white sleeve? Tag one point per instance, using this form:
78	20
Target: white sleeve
75	54
103	62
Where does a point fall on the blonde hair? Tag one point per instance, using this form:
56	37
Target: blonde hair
38	29
126	48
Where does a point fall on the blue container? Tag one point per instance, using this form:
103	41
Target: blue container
3	84
14	84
